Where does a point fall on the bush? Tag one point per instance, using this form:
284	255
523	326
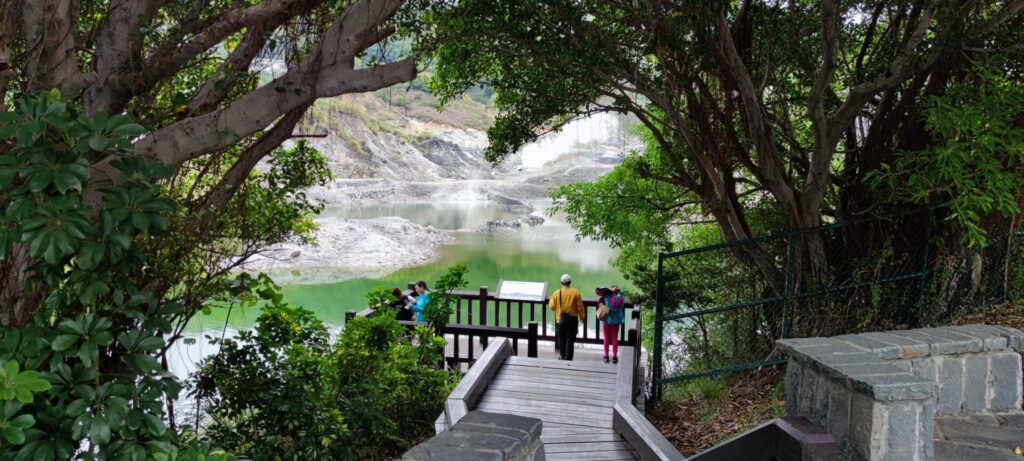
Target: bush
80	374
284	391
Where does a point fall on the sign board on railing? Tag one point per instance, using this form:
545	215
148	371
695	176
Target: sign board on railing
522	291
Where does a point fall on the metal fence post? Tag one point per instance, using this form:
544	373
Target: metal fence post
924	271
658	329
790	257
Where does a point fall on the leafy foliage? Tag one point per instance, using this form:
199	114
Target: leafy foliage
82	380
285	391
443	299
976	160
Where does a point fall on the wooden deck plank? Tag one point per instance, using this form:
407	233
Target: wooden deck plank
574	374
570	420
584	365
595	416
593	456
550	406
564	383
579	437
598	400
584	447
574	400
556	430
543	389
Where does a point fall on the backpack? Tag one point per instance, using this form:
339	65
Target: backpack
616	302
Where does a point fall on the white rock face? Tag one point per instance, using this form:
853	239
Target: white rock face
349	247
380	155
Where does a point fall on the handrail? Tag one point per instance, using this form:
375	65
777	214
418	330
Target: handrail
784	439
529	334
479	304
628	422
475	382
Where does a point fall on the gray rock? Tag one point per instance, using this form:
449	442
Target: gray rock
484	436
1006	382
510	224
901	427
903	386
975	383
951	386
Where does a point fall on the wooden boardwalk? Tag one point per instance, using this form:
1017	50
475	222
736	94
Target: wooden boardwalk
574	399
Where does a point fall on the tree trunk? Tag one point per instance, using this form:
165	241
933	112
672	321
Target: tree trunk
17	300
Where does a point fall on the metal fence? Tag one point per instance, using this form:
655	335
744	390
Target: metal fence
720	308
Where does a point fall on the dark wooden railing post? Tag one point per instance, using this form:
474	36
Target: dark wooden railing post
531	339
483	313
349	315
635	330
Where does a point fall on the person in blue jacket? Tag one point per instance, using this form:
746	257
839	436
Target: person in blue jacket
613	300
421	301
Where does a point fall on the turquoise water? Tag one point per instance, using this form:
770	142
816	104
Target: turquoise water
535	254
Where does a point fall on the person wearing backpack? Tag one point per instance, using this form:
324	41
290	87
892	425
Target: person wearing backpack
612	313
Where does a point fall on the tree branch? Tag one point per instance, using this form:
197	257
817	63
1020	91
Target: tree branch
49	27
170	56
223	80
118	47
327	71
9	29
219	196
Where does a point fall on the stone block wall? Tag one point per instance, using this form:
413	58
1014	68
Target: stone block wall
485	437
878	393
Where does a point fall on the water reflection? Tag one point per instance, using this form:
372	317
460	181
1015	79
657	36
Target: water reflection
540	254
444	215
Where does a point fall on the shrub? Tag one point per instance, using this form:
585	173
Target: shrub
285	391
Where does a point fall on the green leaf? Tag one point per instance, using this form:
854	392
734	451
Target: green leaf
63	342
76	407
90	254
66	180
24	421
129	130
154	424
99	432
13	435
98	142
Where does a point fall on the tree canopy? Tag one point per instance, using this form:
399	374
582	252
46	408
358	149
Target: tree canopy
793	103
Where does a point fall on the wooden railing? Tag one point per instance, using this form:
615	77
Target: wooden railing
472	386
483	308
480	315
512	335
782	439
629	423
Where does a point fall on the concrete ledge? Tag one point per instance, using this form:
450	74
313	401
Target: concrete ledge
484	436
879	393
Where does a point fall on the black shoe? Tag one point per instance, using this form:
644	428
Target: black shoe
606	359
614	360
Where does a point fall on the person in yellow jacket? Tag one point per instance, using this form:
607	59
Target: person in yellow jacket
568	306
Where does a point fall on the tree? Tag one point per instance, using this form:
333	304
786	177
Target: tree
184	69
790	103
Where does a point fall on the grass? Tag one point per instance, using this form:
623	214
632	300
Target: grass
699	414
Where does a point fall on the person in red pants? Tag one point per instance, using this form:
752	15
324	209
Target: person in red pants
615	302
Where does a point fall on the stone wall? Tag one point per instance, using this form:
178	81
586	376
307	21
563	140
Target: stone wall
878	393
485	437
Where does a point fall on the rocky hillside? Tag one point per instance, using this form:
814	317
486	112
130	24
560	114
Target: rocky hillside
400	136
369	137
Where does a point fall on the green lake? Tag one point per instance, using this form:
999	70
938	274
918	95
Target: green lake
537	254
